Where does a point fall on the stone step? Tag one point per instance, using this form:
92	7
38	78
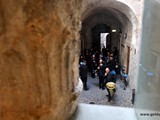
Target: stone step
100	112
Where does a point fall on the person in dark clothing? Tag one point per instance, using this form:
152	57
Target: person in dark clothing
97	56
115	52
101	56
83	74
109	76
111	64
101	71
117	68
93	66
104	51
81	59
88	59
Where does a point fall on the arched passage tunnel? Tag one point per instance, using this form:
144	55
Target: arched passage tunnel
112	17
119	25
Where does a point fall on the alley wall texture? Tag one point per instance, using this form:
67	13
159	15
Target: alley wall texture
39	53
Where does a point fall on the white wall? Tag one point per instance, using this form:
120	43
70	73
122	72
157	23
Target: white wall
103	39
148	90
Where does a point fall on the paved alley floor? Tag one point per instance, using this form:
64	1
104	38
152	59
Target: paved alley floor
121	98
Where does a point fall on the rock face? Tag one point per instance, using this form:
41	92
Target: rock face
39	43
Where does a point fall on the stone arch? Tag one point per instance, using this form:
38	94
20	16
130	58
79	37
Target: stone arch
117	14
118	9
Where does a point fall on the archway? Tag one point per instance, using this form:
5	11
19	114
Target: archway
96	32
123	29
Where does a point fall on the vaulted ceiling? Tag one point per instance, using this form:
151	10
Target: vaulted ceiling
111	12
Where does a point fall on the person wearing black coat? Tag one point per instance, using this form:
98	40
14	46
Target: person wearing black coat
83	74
93	66
109	76
104	51
101	71
111	64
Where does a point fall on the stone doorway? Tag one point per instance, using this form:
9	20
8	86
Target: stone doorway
96	34
104	39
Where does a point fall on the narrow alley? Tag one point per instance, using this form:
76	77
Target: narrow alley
98	96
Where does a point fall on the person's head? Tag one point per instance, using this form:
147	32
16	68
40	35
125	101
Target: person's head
111	57
107	70
93	56
100	61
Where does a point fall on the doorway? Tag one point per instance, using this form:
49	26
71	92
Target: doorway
104	39
96	34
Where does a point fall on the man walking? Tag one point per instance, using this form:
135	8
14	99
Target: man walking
101	71
83	74
109	77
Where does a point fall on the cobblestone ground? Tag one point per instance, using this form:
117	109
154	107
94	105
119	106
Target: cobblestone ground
121	98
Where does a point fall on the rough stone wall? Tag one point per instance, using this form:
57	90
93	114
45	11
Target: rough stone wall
135	47
39	43
137	7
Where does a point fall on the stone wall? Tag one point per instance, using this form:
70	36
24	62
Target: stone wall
39	43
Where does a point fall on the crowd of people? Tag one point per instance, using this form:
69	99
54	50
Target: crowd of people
102	62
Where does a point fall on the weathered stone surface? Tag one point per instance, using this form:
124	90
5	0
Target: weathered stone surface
39	59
